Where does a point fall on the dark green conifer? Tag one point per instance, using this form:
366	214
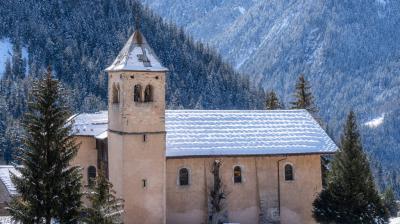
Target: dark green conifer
272	102
389	201
49	188
350	195
303	96
105	207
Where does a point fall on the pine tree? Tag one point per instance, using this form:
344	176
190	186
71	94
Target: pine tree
350	195
105	207
303	96
272	101
18	63
389	201
217	195
49	188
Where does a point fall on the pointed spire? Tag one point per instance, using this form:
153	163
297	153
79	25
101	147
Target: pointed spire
136	55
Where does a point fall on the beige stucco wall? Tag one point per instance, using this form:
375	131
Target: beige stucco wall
136	147
87	155
131	160
255	198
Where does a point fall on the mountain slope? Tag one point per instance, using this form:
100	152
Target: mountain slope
79	45
347	49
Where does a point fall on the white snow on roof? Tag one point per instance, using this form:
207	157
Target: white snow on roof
244	132
235	132
91	124
375	122
136	55
5	177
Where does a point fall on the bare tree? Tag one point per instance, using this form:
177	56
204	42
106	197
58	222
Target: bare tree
217	195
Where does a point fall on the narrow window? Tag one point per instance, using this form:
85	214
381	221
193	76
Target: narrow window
288	172
148	94
183	177
137	93
237	174
144	183
115	94
91	174
144	138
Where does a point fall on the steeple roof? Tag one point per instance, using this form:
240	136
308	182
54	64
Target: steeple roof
136	55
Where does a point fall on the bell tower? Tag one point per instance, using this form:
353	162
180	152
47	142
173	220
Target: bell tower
136	131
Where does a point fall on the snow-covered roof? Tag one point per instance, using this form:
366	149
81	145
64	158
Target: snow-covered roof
91	124
136	55
231	132
5	177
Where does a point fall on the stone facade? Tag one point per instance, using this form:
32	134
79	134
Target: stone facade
149	182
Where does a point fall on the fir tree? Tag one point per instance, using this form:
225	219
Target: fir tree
303	96
389	201
49	188
217	195
350	195
18	63
105	207
272	101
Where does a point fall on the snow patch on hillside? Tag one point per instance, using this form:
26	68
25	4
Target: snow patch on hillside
375	122
241	9
394	220
6	53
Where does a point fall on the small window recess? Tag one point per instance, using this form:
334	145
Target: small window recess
144	138
144	183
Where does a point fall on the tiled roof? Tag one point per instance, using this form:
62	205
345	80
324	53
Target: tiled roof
231	132
136	55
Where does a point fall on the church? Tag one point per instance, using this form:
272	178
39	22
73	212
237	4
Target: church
159	160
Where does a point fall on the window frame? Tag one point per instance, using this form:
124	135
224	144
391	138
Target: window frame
137	93
292	172
178	181
148	94
115	93
241	174
90	179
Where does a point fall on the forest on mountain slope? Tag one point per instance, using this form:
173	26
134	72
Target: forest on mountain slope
348	50
79	39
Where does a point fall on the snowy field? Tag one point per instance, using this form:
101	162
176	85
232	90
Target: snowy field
6	53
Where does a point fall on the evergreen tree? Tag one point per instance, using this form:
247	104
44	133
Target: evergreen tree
49	188
105	207
18	63
350	195
303	96
389	201
272	101
217	195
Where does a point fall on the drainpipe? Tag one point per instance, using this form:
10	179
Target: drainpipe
279	187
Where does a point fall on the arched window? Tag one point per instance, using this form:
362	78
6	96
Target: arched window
237	174
148	94
289	172
183	177
137	93
91	174
115	93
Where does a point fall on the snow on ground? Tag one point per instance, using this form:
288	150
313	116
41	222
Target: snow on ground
6	220
395	220
375	122
6	53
